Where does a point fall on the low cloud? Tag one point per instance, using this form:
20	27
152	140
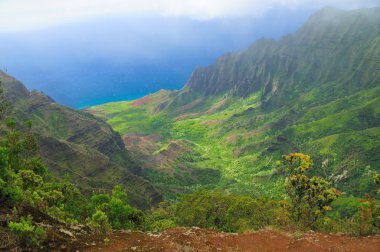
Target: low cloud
18	15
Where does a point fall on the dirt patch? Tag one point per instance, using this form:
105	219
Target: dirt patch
216	106
187	116
212	122
188	106
195	239
95	112
148	149
233	138
211	110
144	143
142	101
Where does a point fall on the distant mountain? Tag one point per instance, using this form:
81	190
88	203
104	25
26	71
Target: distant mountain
332	46
76	145
315	91
114	58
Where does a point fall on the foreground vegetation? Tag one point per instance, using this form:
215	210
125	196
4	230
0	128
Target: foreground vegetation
307	202
25	182
214	151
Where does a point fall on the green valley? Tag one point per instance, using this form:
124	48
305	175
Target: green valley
315	91
275	147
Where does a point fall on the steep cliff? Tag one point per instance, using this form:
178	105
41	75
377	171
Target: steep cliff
332	46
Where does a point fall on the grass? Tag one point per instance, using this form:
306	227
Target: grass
234	136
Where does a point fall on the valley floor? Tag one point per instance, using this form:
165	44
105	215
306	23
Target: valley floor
196	239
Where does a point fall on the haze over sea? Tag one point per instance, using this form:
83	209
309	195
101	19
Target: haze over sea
112	57
121	58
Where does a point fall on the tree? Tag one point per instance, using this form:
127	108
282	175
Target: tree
376	179
120	214
310	198
4	104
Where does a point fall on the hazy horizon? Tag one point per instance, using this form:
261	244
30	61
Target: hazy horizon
100	56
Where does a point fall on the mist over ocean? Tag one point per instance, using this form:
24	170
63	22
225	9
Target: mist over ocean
120	58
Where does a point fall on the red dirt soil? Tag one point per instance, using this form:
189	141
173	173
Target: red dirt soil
141	101
195	239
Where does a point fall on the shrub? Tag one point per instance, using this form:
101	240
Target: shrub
367	219
162	217
11	192
160	225
28	234
99	221
229	213
120	213
310	198
30	179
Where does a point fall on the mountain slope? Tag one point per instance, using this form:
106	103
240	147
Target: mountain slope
333	45
315	91
76	145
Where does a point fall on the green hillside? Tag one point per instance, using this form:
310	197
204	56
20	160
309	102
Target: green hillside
315	91
77	146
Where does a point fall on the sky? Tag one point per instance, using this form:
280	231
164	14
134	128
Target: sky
85	52
21	15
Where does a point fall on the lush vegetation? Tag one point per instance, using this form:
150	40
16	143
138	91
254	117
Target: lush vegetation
216	154
310	198
315	91
25	183
29	234
309	203
241	142
76	145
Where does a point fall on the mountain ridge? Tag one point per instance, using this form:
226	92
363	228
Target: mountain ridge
76	144
244	72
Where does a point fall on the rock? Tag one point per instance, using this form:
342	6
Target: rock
67	232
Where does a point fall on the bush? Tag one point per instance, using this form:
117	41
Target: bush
28	234
162	217
99	221
160	225
367	219
310	198
229	213
120	213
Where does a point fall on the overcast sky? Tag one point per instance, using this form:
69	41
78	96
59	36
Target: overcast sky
21	15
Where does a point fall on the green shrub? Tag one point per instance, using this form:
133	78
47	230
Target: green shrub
160	225
367	218
120	213
10	192
162	217
310	198
229	213
99	221
28	234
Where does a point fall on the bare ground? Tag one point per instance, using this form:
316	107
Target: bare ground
64	237
195	239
